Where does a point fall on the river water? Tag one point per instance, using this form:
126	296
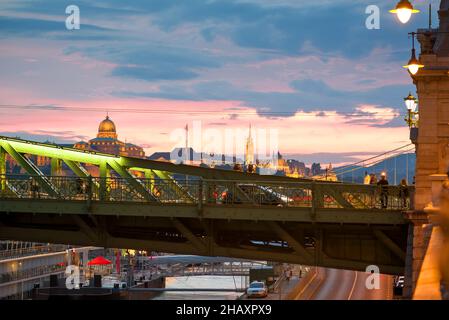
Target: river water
225	282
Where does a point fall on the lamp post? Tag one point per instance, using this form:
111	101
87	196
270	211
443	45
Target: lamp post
413	64
412	115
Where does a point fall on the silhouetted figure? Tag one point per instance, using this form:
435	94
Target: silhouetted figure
403	192
79	186
383	183
35	190
373	179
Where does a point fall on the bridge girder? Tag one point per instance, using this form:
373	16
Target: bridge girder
353	247
31	168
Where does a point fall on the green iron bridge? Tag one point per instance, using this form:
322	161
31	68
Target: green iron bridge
161	206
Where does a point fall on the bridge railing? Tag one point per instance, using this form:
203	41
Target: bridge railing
20	252
30	273
308	194
211	192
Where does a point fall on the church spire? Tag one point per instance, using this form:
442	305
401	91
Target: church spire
249	149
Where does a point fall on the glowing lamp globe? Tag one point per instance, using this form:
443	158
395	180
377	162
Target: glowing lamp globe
413	64
410	102
404	10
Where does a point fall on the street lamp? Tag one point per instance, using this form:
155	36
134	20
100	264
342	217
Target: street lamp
413	64
410	102
404	10
412	115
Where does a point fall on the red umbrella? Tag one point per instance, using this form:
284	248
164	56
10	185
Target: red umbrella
99	261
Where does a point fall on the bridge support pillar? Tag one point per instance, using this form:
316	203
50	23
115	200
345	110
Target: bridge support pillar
432	84
417	241
432	142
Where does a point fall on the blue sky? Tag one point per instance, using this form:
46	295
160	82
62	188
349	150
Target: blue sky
287	63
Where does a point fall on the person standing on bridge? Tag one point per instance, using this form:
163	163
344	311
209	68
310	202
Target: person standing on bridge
383	183
34	187
367	179
403	192
373	178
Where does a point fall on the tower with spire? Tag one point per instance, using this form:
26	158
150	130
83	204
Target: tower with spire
249	149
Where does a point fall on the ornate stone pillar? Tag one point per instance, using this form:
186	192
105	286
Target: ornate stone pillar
432	143
432	83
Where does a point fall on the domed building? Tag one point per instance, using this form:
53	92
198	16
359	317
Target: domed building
107	142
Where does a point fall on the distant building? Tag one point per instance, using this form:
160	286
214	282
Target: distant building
330	174
107	142
297	168
160	156
282	164
327	174
249	149
316	169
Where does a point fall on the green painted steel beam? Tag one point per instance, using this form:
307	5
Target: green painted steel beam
132	181
174	185
164	169
205	173
96	158
79	170
104	175
336	194
217	212
252	253
29	166
149	175
2	169
390	244
292	242
56	167
187	233
54	151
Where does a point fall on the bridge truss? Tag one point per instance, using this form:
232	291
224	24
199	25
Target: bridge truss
144	204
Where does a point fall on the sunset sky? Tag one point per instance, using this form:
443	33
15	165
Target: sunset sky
310	69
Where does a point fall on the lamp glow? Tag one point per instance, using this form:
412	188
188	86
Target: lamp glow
404	10
410	102
413	64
